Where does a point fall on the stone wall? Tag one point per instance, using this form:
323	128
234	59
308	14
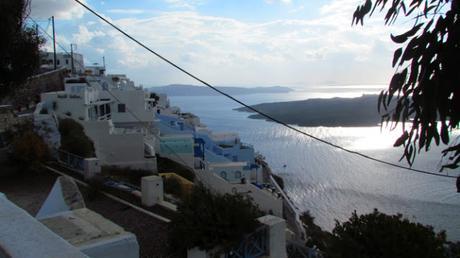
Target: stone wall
28	94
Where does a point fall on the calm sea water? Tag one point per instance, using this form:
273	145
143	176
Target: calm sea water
330	183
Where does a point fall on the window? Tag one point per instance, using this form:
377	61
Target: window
67	61
121	108
102	110
238	174
107	108
223	174
57	62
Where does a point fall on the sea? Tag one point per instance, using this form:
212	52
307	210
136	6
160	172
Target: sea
329	182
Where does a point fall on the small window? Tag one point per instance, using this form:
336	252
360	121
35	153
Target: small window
57	62
121	108
102	110
67	61
238	174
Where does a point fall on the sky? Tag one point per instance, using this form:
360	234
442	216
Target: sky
296	43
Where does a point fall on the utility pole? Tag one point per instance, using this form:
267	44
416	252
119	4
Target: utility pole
71	58
54	43
36	31
103	61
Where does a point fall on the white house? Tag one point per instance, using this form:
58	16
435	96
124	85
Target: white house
82	101
63	60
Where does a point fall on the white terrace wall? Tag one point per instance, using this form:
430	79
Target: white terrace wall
65	106
266	201
134	101
123	150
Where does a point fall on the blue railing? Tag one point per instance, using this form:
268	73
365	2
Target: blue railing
70	160
252	246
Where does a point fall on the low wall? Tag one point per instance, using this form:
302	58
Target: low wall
266	201
122	150
186	185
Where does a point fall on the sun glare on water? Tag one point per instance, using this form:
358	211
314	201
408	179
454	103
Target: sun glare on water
370	138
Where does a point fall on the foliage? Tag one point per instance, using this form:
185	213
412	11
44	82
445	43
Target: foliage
27	147
172	186
317	237
154	96
74	139
453	250
206	220
425	88
380	235
19	46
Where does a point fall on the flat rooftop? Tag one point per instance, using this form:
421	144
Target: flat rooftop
83	227
22	236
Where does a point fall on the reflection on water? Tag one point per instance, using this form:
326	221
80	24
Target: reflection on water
332	183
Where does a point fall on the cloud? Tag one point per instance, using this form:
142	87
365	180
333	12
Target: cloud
230	51
278	1
126	11
184	4
61	9
84	35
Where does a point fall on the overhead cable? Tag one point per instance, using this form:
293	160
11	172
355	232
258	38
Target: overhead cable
254	109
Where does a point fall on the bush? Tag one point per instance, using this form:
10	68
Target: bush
207	221
317	237
378	235
74	139
172	186
29	149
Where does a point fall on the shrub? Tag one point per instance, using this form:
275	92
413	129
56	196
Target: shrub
172	186
314	232
206	220
74	139
27	147
378	235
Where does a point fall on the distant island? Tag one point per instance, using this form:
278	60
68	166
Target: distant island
361	111
193	90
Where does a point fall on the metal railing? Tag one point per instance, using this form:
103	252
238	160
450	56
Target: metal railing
253	245
69	160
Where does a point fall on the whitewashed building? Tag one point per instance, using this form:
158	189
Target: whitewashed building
63	60
85	101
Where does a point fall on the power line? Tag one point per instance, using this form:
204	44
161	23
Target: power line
47	34
255	110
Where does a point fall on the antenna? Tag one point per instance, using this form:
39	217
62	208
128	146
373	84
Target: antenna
54	43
